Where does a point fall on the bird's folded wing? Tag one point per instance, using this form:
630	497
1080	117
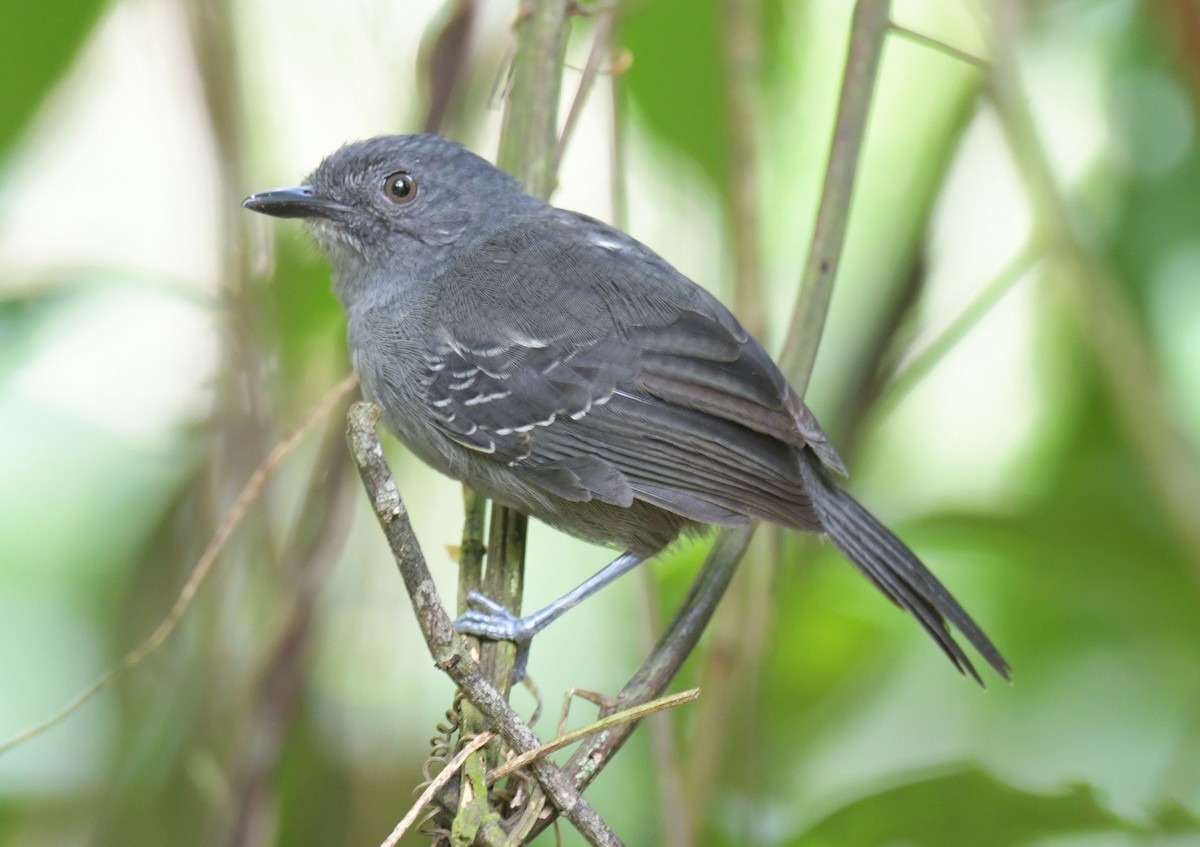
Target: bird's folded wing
686	416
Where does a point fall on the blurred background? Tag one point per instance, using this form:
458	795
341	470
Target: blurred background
1011	368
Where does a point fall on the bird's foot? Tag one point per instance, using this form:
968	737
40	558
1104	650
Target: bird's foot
485	618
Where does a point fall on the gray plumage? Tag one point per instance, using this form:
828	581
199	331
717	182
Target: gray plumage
560	367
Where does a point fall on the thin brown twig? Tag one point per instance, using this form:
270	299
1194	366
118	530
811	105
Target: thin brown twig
241	505
528	152
435	786
240	416
941	46
527	143
634	713
924	360
601	40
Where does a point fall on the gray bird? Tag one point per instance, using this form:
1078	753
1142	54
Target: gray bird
562	368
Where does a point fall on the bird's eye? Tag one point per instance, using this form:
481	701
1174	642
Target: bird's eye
400	188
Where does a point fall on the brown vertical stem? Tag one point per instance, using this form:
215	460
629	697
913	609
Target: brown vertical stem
210	31
530	129
527	145
447	63
741	43
868	30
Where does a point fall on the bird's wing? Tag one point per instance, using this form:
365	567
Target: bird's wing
615	378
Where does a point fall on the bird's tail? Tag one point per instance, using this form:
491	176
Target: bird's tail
885	560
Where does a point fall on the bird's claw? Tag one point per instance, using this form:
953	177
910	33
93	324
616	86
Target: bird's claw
488	619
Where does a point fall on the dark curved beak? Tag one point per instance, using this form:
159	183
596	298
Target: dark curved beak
300	202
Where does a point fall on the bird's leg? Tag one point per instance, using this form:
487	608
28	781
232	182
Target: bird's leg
488	619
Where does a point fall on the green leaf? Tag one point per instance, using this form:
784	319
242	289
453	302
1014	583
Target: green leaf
38	42
676	81
972	807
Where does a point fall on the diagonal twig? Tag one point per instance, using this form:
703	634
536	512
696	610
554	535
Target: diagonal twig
928	357
634	713
601	40
241	505
940	46
435	786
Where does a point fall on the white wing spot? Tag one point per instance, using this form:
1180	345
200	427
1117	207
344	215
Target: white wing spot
577	415
529	341
486	398
604	241
491	445
527	427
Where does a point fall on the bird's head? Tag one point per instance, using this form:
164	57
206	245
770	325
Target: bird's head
396	201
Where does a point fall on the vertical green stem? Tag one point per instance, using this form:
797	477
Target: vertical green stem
504	582
470	555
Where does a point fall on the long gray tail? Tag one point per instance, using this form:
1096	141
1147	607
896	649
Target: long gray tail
884	559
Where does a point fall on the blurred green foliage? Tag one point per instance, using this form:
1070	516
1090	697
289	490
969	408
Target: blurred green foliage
294	703
38	42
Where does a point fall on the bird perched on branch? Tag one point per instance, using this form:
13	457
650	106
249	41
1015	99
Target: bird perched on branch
560	367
